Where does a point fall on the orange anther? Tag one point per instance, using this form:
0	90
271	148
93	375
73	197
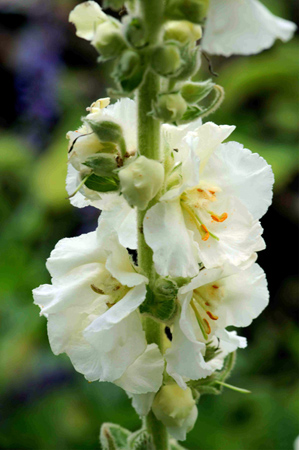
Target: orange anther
206	231
207	326
212	192
215	286
211	316
199	190
207	303
221	218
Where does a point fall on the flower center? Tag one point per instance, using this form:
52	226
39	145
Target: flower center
111	288
199	198
204	303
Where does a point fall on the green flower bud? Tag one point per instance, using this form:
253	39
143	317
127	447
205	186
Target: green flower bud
165	289
108	40
194	92
135	33
102	164
182	31
109	132
173	405
129	71
141	180
166	60
169	107
192	64
192	10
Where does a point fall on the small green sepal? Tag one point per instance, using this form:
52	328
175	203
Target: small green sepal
192	10
102	184
166	60
169	107
110	132
114	437
140	440
135	33
102	164
195	92
128	72
161	309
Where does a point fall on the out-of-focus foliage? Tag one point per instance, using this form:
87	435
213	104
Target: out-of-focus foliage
45	404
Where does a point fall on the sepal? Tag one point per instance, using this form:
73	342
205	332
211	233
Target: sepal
166	60
135	33
169	107
113	4
102	164
110	132
140	440
102	184
128	72
195	92
161	309
114	437
108	40
192	10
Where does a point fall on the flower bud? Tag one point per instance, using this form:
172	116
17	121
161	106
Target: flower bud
175	407
135	33
193	10
128	72
182	31
102	164
166	60
165	289
108	40
169	107
194	92
141	180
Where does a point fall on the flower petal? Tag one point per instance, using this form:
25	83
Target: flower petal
175	252
242	27
145	374
243	174
86	17
142	403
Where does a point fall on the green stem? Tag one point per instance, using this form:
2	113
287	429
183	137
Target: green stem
149	146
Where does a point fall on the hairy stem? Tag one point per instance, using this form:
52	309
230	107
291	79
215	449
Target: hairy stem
149	146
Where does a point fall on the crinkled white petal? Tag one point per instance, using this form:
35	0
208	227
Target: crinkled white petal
129	303
205	139
145	374
246	296
70	253
243	174
120	266
239	235
242	27
185	356
105	354
122	219
86	17
142	403
180	433
175	252
172	136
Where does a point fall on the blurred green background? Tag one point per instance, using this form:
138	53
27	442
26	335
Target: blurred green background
49	78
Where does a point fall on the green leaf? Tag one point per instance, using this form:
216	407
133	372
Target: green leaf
114	437
102	184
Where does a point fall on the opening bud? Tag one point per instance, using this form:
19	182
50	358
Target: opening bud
166	60
128	73
195	92
175	407
182	31
169	107
108	40
141	180
135	33
193	10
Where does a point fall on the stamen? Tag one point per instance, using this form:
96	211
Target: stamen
221	218
207	325
200	321
199	225
206	234
215	286
97	290
211	315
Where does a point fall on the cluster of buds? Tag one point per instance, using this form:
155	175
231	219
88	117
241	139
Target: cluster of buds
196	210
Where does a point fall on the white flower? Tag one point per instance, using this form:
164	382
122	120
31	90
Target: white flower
214	196
84	143
214	300
242	27
92	309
